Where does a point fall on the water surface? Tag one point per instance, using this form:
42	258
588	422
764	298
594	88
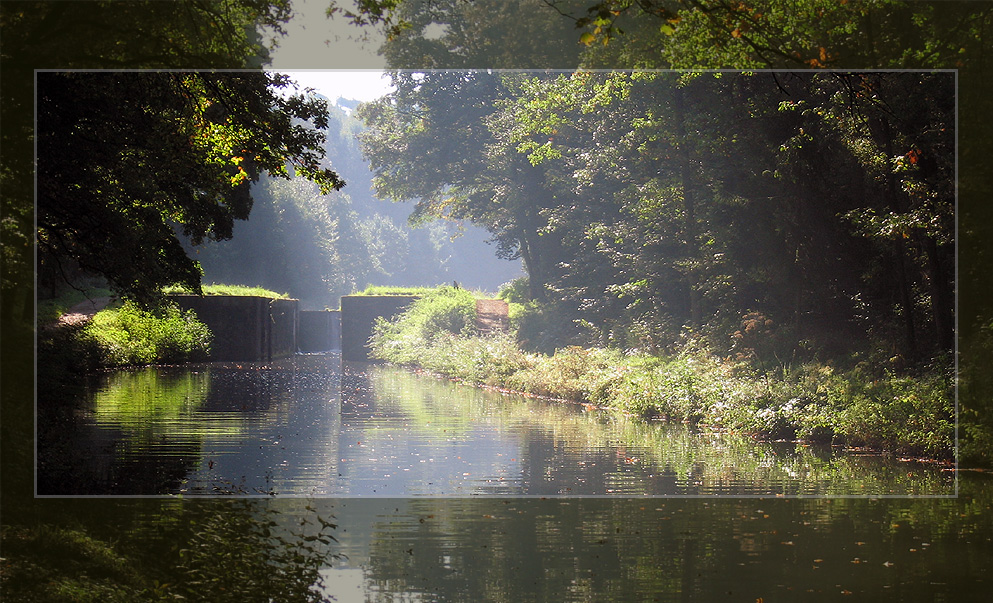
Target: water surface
307	426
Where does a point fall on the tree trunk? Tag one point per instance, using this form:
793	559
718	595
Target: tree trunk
941	301
880	128
689	209
536	284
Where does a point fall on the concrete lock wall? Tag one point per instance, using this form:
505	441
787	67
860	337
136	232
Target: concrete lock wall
359	313
319	331
284	316
246	328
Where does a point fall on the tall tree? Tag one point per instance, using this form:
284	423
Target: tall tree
431	141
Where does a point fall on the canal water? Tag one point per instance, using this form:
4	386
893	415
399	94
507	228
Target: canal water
444	492
310	426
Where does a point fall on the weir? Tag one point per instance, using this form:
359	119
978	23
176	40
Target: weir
320	331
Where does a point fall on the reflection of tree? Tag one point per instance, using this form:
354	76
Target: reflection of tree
637	549
144	431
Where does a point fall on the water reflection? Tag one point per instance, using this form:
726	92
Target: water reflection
623	549
307	426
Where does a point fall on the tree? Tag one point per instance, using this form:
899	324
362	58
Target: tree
93	34
431	141
126	159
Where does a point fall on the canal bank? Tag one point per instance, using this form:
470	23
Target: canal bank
865	406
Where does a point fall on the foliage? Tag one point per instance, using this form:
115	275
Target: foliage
458	34
55	563
441	312
767	34
812	401
319	247
241	552
431	140
691	33
132	335
976	398
127	158
219	34
626	196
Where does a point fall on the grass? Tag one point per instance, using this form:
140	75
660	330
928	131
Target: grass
395	290
233	290
811	402
416	291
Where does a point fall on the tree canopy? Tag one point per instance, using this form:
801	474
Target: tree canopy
101	34
646	203
126	160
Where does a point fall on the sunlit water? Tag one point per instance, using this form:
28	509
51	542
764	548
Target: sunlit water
307	427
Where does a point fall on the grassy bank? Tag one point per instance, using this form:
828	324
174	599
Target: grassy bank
879	409
121	335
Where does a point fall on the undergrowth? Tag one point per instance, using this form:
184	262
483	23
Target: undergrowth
130	335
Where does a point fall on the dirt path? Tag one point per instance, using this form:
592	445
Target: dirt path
84	311
491	316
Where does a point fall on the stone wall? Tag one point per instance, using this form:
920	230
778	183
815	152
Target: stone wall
359	313
246	328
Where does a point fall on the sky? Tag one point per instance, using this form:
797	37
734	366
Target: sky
353	84
329	55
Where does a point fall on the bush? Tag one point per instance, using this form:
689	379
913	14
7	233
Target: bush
515	292
130	335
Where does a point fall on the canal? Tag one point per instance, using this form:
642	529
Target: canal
445	492
311	426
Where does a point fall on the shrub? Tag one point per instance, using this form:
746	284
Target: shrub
131	335
515	292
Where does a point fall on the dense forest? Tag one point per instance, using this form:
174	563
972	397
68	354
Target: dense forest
787	214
